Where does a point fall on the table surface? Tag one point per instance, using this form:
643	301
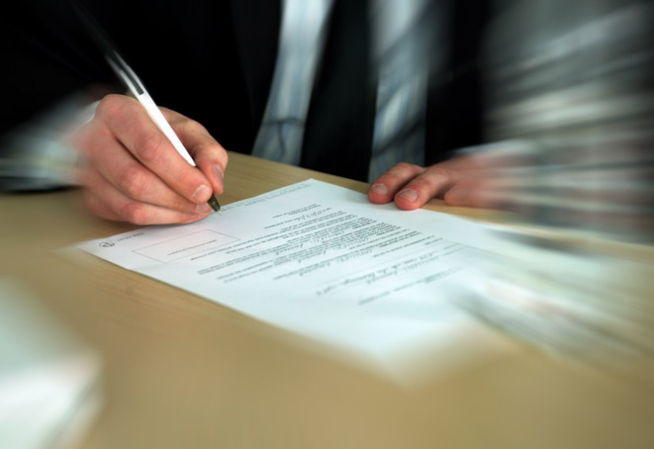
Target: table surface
182	371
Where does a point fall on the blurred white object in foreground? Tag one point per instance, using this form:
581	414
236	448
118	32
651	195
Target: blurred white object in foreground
49	380
566	297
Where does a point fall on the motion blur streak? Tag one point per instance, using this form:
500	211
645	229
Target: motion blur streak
570	90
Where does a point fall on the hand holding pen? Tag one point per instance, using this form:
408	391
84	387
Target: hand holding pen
144	164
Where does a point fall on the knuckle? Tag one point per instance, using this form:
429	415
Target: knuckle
132	181
390	178
212	153
401	173
403	169
109	106
135	213
404	166
394	174
149	147
206	150
193	127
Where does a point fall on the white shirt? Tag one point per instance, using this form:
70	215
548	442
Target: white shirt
401	51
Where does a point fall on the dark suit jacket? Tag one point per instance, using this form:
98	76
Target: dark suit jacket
213	61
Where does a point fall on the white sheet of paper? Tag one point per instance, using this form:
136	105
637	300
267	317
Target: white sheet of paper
316	259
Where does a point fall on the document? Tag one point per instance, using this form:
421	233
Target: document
322	261
318	260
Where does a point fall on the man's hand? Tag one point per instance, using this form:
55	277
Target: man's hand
462	181
131	172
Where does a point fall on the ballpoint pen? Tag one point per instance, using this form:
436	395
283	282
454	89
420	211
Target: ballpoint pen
135	86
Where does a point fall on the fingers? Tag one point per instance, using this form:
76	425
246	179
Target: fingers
110	159
411	186
109	203
127	120
131	171
466	181
210	157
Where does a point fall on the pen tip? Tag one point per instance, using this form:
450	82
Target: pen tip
215	205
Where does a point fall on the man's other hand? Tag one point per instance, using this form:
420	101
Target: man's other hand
469	180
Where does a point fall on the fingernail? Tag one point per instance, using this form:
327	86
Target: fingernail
201	193
202	208
409	195
379	189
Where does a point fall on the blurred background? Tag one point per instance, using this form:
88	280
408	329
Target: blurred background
568	94
569	115
569	89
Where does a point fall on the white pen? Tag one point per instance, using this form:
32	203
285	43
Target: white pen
135	86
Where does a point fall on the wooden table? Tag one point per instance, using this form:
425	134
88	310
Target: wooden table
183	372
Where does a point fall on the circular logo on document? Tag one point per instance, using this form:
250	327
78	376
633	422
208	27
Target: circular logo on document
107	244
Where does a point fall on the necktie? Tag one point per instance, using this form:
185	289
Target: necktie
339	122
300	44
